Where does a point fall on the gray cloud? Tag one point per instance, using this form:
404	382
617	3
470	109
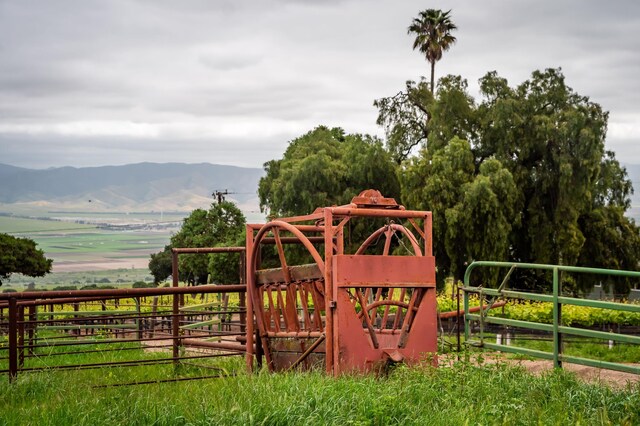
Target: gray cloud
92	82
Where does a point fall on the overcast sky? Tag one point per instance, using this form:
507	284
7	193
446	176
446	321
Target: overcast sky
88	82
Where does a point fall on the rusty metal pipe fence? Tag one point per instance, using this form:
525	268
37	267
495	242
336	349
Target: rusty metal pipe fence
558	330
39	328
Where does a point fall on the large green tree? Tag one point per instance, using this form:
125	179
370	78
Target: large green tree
556	196
326	167
20	255
432	29
221	225
552	141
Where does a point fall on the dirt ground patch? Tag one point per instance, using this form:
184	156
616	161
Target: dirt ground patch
611	378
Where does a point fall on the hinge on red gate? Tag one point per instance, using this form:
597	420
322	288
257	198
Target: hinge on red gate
332	304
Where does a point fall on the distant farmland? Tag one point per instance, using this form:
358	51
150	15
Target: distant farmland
18	225
81	247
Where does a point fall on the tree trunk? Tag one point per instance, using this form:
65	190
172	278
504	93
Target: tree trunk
433	73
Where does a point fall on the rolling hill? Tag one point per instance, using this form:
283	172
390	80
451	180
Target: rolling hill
132	187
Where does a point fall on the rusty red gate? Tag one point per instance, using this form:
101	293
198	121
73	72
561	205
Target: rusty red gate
350	312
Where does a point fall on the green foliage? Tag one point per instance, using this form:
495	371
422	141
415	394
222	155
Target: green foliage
405	118
432	29
552	140
460	394
472	214
571	315
325	167
73	287
160	265
142	284
533	182
224	268
90	287
20	255
222	224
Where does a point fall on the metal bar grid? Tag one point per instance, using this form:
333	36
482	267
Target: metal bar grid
556	327
33	336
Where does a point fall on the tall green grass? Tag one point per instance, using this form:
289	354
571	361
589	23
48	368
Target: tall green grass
462	394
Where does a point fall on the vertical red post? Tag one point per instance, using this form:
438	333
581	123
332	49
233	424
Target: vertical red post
329	297
13	339
249	285
428	248
32	326
76	307
242	302
21	336
139	318
175	324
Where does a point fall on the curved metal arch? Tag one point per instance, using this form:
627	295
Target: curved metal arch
384	229
290	228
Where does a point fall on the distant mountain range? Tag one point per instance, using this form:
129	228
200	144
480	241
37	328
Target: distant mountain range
132	187
150	187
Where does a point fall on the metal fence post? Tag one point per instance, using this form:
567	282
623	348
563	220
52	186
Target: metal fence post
21	336
557	320
13	339
138	318
33	317
175	324
465	303
458	320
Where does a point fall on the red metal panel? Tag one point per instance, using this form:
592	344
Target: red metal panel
423	337
384	271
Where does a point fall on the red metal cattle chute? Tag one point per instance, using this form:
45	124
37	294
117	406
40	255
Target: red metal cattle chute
350	312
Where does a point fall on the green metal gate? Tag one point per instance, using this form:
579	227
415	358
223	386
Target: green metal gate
556	328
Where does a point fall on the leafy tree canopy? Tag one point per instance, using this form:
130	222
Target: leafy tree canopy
20	255
522	175
405	118
160	265
432	29
326	167
222	224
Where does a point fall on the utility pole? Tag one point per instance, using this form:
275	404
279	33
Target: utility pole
220	195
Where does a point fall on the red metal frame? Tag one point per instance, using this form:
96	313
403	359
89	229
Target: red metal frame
351	312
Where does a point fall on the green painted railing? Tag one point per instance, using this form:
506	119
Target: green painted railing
556	327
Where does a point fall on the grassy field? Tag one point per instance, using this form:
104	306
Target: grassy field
113	244
123	276
18	225
458	395
74	246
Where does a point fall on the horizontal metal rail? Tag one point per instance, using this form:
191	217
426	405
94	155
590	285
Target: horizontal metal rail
555	326
32	333
124	292
117	363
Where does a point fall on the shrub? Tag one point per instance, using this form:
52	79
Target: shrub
142	284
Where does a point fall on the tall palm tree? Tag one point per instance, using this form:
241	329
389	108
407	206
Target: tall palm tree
433	36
